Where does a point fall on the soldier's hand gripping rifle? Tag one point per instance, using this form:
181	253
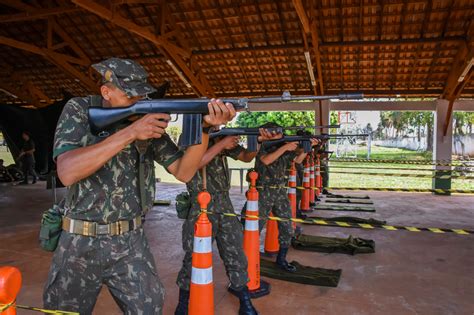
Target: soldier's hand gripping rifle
103	118
251	133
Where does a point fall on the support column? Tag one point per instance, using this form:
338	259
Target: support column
322	117
442	145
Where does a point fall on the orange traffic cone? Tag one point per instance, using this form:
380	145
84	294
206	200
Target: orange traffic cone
319	179
10	284
257	287
201	295
292	191
271	237
312	183
304	206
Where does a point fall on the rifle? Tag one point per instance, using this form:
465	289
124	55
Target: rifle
104	118
305	141
312	127
251	133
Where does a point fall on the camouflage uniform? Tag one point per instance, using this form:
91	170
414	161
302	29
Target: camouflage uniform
299	182
226	230
272	195
124	263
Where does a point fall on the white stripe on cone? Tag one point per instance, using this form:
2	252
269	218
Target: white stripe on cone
252	205
251	225
201	275
202	245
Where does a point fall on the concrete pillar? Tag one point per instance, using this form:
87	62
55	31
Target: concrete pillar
442	146
322	116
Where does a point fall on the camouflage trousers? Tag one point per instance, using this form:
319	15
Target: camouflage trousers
276	201
124	263
228	234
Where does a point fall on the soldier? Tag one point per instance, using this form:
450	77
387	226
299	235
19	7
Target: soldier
226	230
271	165
27	158
111	185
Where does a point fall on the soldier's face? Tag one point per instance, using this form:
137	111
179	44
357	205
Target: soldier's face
116	97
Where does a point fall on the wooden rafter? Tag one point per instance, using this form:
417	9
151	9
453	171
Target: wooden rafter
169	49
37	14
310	28
61	60
22	88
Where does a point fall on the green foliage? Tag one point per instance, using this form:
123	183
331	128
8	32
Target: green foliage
174	132
284	119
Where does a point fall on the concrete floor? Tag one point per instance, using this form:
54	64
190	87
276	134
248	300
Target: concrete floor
411	273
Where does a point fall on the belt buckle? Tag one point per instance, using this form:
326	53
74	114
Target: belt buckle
102	229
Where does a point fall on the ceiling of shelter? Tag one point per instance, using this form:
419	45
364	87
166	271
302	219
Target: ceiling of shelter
411	48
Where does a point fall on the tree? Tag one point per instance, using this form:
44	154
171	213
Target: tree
284	119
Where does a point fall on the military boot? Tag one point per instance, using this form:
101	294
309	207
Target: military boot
182	308
246	307
282	262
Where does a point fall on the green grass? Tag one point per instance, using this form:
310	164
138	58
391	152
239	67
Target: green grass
360	180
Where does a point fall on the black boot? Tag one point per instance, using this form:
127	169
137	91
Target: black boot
182	308
300	215
246	307
282	262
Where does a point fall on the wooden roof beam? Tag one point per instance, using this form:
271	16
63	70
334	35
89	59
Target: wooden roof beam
19	5
310	28
37	14
171	50
61	60
462	63
130	26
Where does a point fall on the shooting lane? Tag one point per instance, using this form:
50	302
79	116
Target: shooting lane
403	55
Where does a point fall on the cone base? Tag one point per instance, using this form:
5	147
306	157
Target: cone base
262	291
269	253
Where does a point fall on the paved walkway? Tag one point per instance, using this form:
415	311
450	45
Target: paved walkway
411	273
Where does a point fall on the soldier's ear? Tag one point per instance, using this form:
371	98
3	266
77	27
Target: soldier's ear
104	91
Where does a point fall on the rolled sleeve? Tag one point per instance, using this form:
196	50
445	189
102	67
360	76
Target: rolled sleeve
72	127
166	151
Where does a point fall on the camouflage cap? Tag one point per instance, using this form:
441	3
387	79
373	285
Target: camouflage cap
126	74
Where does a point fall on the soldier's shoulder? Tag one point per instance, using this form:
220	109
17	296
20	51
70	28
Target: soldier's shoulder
77	104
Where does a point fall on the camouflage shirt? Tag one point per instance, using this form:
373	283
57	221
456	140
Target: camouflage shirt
112	192
217	172
275	173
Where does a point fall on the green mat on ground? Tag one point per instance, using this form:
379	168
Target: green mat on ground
304	274
322	244
349	219
331	207
330	195
343	200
